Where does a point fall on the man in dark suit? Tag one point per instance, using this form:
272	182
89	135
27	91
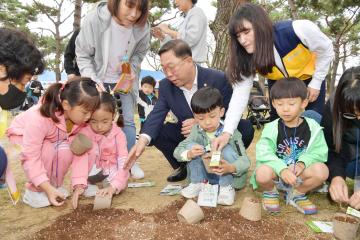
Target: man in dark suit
183	78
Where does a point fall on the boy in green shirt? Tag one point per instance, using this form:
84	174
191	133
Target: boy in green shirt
292	149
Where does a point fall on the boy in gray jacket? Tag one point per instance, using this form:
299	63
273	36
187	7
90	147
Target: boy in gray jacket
208	110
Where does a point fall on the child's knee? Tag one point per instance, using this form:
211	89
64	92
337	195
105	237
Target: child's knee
319	171
229	153
264	174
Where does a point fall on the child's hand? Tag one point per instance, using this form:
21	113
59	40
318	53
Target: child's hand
299	168
224	168
195	151
106	191
288	177
75	198
53	194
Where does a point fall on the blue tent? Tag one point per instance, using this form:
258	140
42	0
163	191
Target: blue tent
48	77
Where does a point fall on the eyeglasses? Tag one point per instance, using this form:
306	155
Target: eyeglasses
350	116
172	67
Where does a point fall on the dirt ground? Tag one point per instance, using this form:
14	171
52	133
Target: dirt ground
23	222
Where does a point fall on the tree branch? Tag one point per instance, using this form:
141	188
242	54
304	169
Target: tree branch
47	29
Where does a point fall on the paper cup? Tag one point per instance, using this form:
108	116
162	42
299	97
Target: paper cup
251	209
190	213
345	226
80	144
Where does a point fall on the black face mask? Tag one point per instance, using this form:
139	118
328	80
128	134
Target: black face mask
13	98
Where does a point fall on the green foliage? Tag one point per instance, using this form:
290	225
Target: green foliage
14	14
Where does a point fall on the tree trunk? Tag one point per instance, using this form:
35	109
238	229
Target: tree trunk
334	66
293	10
344	58
219	27
77	15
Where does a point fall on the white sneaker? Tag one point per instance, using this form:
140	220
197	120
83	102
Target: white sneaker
36	199
91	190
192	190
137	172
226	195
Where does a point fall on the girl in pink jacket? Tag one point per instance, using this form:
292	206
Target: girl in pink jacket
108	153
44	130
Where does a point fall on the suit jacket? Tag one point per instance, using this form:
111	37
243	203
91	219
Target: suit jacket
172	98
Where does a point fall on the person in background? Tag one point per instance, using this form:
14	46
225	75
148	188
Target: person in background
35	89
192	30
285	49
70	63
147	98
341	122
116	32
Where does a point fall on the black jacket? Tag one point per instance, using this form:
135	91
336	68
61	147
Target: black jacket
337	161
70	64
145	99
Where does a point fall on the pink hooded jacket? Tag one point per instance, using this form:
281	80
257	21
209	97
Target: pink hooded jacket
108	153
45	146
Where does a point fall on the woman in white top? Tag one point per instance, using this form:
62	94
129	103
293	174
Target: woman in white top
192	30
285	49
115	31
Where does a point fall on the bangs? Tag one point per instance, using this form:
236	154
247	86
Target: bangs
90	103
236	26
351	101
288	88
133	3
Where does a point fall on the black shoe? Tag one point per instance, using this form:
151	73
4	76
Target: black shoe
178	175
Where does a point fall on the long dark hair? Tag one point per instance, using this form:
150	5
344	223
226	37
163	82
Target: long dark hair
142	6
81	92
262	60
108	104
346	100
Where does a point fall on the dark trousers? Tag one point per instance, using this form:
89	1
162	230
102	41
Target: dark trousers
317	106
170	136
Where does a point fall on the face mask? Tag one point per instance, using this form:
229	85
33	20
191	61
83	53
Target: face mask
13	98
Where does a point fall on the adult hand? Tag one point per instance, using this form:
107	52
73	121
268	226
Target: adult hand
71	77
76	194
135	152
186	126
312	94
195	151
53	194
224	168
218	143
288	177
108	191
156	31
164	28
338	190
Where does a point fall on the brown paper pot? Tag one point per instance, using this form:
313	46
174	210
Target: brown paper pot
206	160
80	144
251	209
345	226
190	213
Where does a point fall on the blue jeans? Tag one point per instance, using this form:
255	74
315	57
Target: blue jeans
198	171
126	103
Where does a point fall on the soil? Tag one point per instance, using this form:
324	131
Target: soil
219	223
142	213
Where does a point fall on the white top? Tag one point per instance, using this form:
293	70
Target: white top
118	33
311	37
